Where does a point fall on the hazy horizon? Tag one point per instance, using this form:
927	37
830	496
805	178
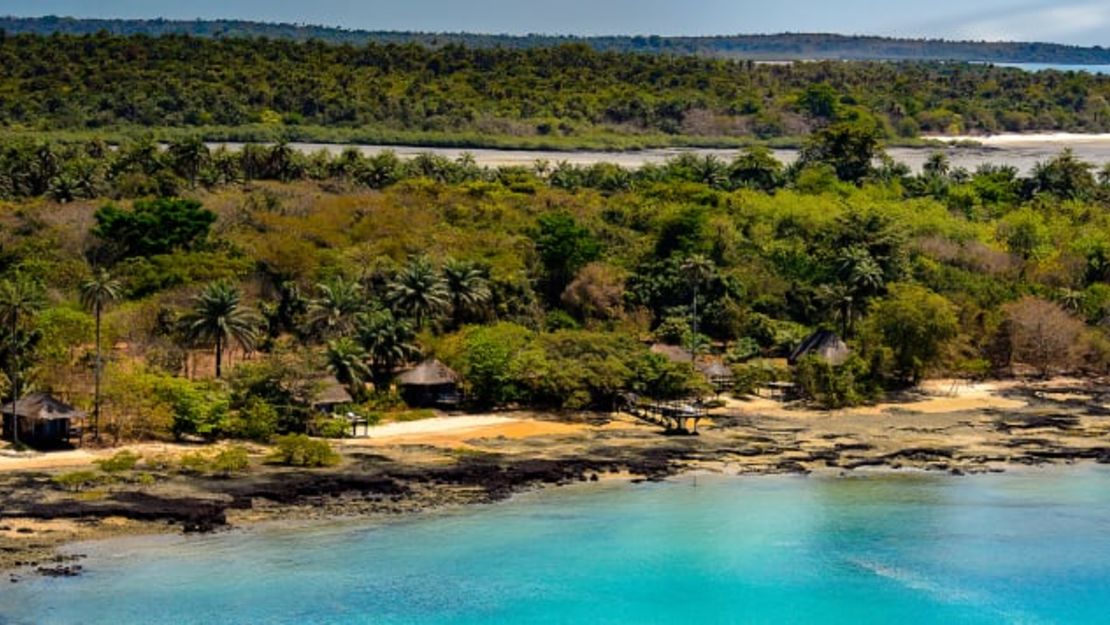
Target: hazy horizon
1072	22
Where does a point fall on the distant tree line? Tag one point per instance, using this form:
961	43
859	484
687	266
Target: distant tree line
785	46
105	81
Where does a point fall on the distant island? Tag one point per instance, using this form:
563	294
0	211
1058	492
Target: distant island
757	47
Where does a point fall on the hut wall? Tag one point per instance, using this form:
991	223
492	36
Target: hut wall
49	433
426	396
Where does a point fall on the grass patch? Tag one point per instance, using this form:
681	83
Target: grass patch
223	463
298	450
404	416
76	481
119	463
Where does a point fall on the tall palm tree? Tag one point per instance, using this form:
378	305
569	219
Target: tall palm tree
388	342
20	298
97	292
418	291
467	288
698	270
333	312
219	317
347	362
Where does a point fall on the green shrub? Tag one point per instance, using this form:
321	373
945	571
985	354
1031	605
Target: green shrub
833	386
384	401
75	481
749	377
331	427
559	320
743	350
158	462
153	227
257	421
122	461
673	330
298	450
195	462
230	460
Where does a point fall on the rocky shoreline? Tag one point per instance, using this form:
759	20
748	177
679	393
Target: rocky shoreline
387	479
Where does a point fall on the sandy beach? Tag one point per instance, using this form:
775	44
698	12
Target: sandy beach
949	426
1012	140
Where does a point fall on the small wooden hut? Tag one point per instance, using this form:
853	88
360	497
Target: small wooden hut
673	353
719	376
331	395
40	419
431	383
823	344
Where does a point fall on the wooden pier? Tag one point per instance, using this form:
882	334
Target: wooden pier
677	418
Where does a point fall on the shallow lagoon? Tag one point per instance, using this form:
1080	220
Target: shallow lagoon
1028	547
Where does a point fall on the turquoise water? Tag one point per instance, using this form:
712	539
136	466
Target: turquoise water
1030	548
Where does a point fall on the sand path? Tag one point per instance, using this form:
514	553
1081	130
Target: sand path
1032	139
455	431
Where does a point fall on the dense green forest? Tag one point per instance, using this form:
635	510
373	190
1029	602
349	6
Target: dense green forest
787	46
564	95
541	286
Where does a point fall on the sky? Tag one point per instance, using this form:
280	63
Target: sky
1082	22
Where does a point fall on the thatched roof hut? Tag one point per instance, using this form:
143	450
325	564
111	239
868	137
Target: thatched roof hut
673	353
331	395
719	376
42	420
823	344
431	383
431	372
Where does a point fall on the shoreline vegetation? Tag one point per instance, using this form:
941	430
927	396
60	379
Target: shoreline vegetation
599	142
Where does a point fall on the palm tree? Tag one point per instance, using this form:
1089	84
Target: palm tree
347	362
418	291
467	288
388	342
333	312
189	157
698	270
218	316
860	272
1071	299
97	292
936	165
711	171
20	298
282	161
842	303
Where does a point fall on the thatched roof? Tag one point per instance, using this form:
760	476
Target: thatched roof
673	353
714	370
428	373
332	393
823	344
42	407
